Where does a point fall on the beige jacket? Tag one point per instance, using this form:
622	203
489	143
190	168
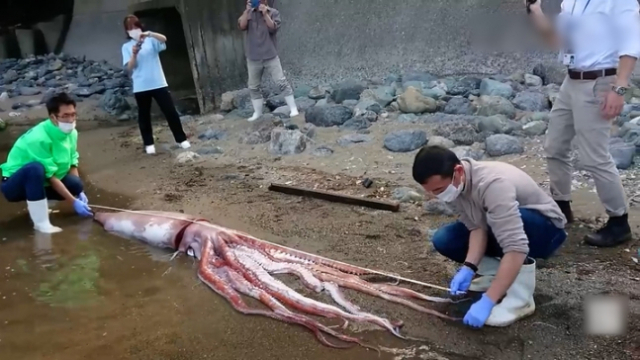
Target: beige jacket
492	195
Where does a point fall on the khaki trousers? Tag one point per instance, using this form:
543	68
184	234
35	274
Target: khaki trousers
576	113
273	68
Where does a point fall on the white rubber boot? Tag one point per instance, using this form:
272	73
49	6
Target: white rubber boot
487	269
291	102
518	303
39	213
151	149
185	144
257	109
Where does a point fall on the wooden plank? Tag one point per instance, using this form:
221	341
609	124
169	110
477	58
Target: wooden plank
335	197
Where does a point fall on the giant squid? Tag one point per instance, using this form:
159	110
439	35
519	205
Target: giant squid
233	263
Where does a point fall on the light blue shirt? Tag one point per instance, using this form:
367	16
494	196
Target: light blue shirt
147	74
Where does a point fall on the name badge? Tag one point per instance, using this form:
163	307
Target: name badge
568	59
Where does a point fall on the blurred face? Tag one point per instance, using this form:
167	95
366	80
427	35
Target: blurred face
65	119
133	29
446	189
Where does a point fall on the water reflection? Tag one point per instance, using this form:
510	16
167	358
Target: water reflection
73	282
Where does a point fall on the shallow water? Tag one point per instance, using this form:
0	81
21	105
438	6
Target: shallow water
83	293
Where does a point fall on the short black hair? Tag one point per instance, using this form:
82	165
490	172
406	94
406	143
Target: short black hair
57	100
434	160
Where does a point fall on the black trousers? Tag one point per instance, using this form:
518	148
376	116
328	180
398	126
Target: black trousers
162	96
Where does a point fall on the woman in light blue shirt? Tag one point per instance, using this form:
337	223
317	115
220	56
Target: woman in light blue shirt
141	57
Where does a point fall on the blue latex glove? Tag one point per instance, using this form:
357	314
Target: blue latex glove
82	197
479	312
81	208
461	282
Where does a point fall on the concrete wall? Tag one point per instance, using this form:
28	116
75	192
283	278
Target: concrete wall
332	39
96	30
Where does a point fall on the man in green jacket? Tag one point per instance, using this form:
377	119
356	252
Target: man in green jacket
43	164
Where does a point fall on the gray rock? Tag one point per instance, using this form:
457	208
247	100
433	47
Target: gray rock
242	100
210	150
304	103
317	93
114	104
468	152
301	90
287	142
412	101
356	123
29	91
213	134
495	88
405	140
226	103
495	105
322	151
622	153
535	128
367	105
405	195
409	118
328	115
275	102
437	207
464	86
260	130
322	102
369	116
383	95
350	104
630	133
349	139
348	90
501	144
434	92
282	111
440	141
531	101
459	106
550	73
532	80
461	133
309	130
497	124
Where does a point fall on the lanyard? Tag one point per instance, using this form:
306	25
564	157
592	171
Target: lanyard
583	10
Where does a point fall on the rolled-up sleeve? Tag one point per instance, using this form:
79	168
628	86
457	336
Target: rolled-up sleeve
503	216
158	45
275	17
626	17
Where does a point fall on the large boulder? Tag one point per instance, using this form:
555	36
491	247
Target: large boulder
328	115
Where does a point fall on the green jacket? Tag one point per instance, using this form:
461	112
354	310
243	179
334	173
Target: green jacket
46	144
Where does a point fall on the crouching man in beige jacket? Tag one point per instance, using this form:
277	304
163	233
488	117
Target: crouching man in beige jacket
505	222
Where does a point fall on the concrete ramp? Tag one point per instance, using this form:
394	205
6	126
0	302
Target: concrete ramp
327	40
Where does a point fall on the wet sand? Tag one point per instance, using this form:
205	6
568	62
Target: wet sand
102	297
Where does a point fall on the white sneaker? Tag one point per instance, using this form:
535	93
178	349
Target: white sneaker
39	213
518	303
257	109
185	144
291	102
151	149
487	269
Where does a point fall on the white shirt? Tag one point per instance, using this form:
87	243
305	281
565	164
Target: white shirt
605	31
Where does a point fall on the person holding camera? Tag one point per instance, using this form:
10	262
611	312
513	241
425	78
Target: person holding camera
141	57
261	24
599	42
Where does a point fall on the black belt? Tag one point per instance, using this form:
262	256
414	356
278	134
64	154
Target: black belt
591	75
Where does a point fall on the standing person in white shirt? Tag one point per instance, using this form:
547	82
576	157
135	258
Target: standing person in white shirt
599	42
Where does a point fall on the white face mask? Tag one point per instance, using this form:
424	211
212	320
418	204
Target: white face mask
450	193
67	128
135	34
